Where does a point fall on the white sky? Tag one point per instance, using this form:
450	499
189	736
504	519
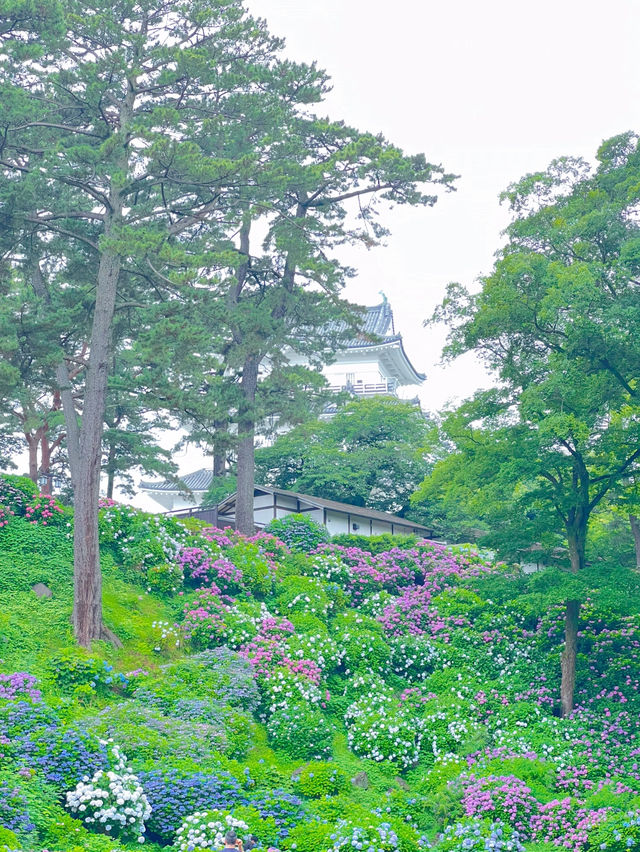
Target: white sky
491	90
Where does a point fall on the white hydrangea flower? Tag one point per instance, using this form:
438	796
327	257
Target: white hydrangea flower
102	800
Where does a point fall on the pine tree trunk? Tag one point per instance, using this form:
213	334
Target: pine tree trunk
219	454
111	473
577	538
47	488
246	449
33	457
87	597
635	529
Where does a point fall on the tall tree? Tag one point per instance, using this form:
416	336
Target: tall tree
555	320
121	132
287	297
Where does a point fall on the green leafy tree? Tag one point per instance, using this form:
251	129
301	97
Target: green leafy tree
369	454
555	322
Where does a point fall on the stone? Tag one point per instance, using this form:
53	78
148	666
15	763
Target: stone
401	783
361	780
295	775
42	591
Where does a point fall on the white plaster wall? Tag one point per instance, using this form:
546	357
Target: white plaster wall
380	527
290	503
263	500
167	501
336	522
263	514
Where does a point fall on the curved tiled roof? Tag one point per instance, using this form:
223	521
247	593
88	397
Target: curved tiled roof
378	330
378	320
199	480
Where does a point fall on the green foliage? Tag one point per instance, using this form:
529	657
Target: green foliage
317	779
553	320
300	732
375	543
307	595
16	492
74	668
257	570
221	487
310	837
31	553
299	532
368	454
313	700
618	833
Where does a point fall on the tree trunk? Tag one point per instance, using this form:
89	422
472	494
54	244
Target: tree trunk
246	448
33	457
635	529
45	456
577	538
111	473
87	597
219	449
569	654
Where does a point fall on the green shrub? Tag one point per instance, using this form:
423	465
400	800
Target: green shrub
164	578
310	837
380	728
304	595
299	731
618	833
299	532
364	652
8	840
459	602
375	544
258	570
73	668
480	835
17	494
265	828
150	736
305	622
413	657
319	778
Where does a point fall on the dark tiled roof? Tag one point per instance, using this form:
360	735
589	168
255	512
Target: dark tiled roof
378	330
378	320
199	480
362	511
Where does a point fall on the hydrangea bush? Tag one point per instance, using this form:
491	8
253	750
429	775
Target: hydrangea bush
113	801
340	699
206	830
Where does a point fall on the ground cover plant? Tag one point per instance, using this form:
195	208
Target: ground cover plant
320	699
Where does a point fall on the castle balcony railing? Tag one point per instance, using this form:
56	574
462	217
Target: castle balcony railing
387	388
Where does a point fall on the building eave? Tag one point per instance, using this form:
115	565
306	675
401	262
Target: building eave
391	348
228	504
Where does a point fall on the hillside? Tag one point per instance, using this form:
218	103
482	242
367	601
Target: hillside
323	701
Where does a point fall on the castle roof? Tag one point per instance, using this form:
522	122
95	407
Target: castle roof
378	336
199	480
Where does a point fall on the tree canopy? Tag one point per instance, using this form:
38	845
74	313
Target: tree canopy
369	454
555	321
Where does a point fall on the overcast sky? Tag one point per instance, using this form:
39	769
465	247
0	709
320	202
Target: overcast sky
491	90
